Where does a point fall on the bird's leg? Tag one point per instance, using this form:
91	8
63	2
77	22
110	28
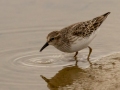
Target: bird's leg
76	61
90	51
75	56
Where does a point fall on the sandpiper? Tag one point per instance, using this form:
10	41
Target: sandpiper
76	36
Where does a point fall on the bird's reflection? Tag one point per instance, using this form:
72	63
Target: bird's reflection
65	77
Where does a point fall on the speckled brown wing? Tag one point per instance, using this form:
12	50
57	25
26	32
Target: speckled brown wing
85	29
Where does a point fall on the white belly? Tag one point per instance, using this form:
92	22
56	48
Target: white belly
82	43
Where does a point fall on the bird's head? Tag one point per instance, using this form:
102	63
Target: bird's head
52	39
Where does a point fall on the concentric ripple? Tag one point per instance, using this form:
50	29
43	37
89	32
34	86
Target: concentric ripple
47	60
39	60
36	59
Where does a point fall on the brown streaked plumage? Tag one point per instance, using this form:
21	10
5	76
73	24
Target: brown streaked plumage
76	36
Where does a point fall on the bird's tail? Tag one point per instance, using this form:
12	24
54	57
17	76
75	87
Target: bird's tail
99	20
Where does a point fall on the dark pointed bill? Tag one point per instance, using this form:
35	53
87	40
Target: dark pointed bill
46	44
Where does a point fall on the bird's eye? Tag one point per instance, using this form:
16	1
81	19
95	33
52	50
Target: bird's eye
51	39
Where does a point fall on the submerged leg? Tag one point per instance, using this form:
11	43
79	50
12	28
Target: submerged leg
90	51
76	62
75	56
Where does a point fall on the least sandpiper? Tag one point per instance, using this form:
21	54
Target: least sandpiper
76	36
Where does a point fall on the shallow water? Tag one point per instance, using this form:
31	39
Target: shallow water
24	25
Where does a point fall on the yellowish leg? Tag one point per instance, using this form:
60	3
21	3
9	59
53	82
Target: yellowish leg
90	51
75	56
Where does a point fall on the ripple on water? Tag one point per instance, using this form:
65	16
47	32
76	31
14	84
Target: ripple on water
32	58
44	60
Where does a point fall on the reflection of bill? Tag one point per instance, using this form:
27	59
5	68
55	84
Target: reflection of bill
65	77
